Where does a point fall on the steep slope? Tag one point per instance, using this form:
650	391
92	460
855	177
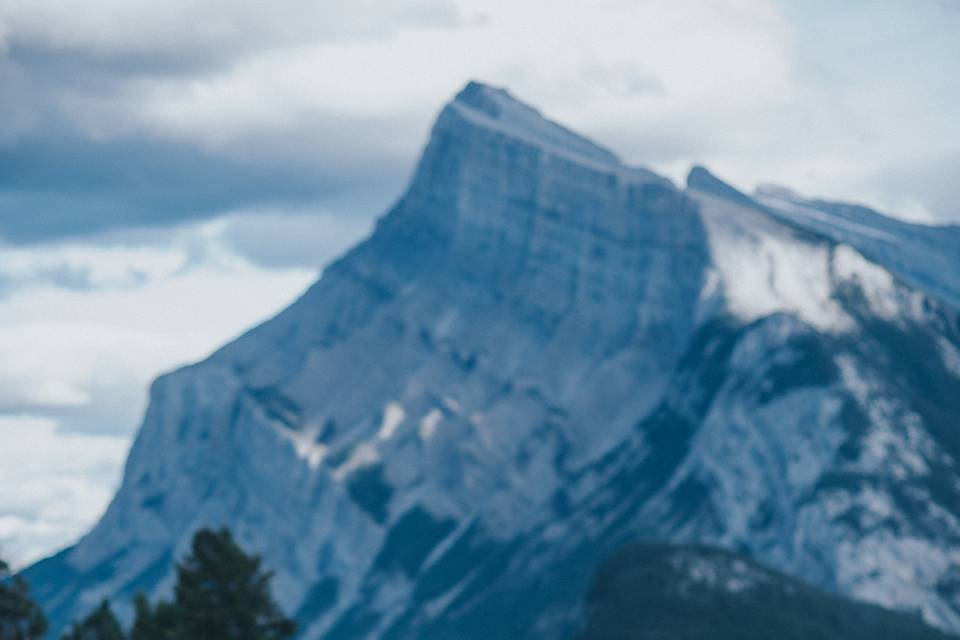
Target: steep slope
653	592
541	354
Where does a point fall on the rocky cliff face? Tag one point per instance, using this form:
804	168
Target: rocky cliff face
539	354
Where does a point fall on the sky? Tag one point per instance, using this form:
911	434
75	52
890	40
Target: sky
172	173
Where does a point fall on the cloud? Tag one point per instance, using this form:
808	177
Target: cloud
112	115
283	239
85	267
188	34
60	482
924	189
63	187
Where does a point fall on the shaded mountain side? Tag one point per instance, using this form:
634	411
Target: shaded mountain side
669	592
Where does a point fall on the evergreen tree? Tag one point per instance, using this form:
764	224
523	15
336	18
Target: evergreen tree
222	593
101	624
20	617
153	623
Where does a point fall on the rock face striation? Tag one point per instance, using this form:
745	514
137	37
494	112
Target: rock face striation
539	355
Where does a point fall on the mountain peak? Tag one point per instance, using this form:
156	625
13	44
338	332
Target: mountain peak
701	179
497	109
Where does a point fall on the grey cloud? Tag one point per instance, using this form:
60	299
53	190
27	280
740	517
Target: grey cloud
112	411
930	181
61	276
67	74
54	187
146	35
665	143
68	277
281	240
624	79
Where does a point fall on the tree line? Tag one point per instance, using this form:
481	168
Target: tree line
221	593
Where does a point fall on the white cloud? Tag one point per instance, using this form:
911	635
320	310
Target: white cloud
51	485
732	54
182	28
88	266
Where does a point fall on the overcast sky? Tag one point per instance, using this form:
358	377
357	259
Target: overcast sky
172	172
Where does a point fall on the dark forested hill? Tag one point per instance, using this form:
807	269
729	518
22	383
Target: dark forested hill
660	592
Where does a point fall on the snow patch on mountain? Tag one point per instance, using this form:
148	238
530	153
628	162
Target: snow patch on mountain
730	574
950	355
925	256
429	423
393	417
765	268
866	563
305	443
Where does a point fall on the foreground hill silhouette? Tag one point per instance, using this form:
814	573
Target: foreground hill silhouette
667	592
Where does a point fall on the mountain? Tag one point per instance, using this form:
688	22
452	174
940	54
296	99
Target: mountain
541	354
655	592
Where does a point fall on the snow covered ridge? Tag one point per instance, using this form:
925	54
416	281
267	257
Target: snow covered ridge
765	268
539	354
924	256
